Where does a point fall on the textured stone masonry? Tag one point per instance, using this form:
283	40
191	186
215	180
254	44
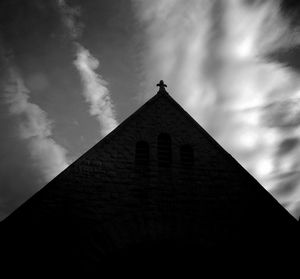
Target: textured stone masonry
104	205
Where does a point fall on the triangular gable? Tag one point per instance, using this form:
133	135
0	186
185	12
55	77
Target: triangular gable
104	203
151	102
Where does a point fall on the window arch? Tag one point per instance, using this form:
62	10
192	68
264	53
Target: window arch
164	150
187	155
142	153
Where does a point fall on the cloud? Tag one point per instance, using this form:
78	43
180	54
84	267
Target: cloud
215	58
48	156
95	88
70	18
29	156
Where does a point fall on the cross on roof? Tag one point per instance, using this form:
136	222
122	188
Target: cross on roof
161	86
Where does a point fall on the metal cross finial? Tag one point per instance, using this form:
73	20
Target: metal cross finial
161	86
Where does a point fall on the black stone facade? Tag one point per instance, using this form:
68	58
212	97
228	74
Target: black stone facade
158	193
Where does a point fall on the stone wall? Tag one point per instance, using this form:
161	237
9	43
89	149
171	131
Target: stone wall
105	204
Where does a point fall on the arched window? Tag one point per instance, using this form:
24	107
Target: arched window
187	155
142	153
164	150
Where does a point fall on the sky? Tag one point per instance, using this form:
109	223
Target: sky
71	71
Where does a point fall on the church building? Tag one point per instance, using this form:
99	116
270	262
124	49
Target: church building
157	193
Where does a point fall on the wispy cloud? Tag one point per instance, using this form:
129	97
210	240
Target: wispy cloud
95	88
35	127
214	57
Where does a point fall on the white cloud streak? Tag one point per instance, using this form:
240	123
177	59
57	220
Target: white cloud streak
95	88
34	126
212	54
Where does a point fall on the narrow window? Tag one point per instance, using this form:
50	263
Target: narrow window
164	150
142	153
187	155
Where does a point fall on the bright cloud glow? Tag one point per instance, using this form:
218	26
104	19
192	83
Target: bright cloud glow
212	54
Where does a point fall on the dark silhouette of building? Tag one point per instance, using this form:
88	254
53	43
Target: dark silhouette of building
157	193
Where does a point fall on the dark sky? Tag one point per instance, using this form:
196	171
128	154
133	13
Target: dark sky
33	32
45	116
38	46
